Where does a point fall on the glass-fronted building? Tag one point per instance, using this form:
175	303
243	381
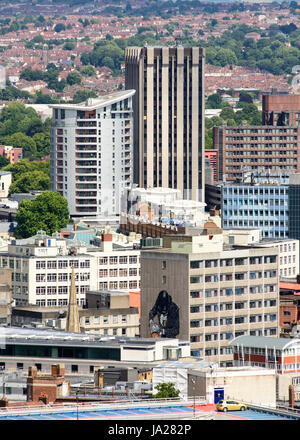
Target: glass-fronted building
262	204
294	206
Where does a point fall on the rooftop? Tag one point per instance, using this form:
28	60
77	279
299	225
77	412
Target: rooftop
263	342
50	337
94	103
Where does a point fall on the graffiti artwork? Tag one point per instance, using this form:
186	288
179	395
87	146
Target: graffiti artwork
166	313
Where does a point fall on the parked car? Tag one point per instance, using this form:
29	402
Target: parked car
230	405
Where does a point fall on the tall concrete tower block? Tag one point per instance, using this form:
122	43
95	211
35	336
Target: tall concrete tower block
168	114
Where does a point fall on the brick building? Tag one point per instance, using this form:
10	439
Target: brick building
274	144
271	147
289	305
281	110
47	387
212	156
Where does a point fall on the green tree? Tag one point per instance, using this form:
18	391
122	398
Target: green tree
42	141
45	98
88	70
31	181
4	161
20	140
208	139
69	45
83	95
213	101
25	166
73	78
48	211
227	113
166	390
59	27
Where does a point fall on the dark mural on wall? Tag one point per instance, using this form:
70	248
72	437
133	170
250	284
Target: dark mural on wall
166	313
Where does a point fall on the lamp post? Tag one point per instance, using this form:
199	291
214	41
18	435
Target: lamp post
194	406
77	391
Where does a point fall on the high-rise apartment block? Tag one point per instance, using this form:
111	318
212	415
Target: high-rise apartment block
197	288
168	117
91	153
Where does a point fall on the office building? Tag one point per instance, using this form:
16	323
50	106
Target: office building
164	205
168	117
281	110
91	158
294	206
281	354
252	147
209	293
260	201
82	353
42	265
105	313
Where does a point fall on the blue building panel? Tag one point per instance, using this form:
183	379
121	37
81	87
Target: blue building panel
262	206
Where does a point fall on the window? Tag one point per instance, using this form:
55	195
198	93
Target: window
51	277
74	368
38	264
103	273
196	294
196	264
113	260
51	264
196	279
62	264
211	263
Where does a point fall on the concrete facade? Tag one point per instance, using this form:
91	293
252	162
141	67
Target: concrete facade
5	182
168	117
42	267
91	158
221	291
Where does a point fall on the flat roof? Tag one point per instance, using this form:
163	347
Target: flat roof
55	337
107	292
94	103
262	342
287	285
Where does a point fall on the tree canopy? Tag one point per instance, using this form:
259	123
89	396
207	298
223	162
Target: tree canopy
166	390
21	126
28	175
48	211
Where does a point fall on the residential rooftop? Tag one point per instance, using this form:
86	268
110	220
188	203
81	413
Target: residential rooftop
94	103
